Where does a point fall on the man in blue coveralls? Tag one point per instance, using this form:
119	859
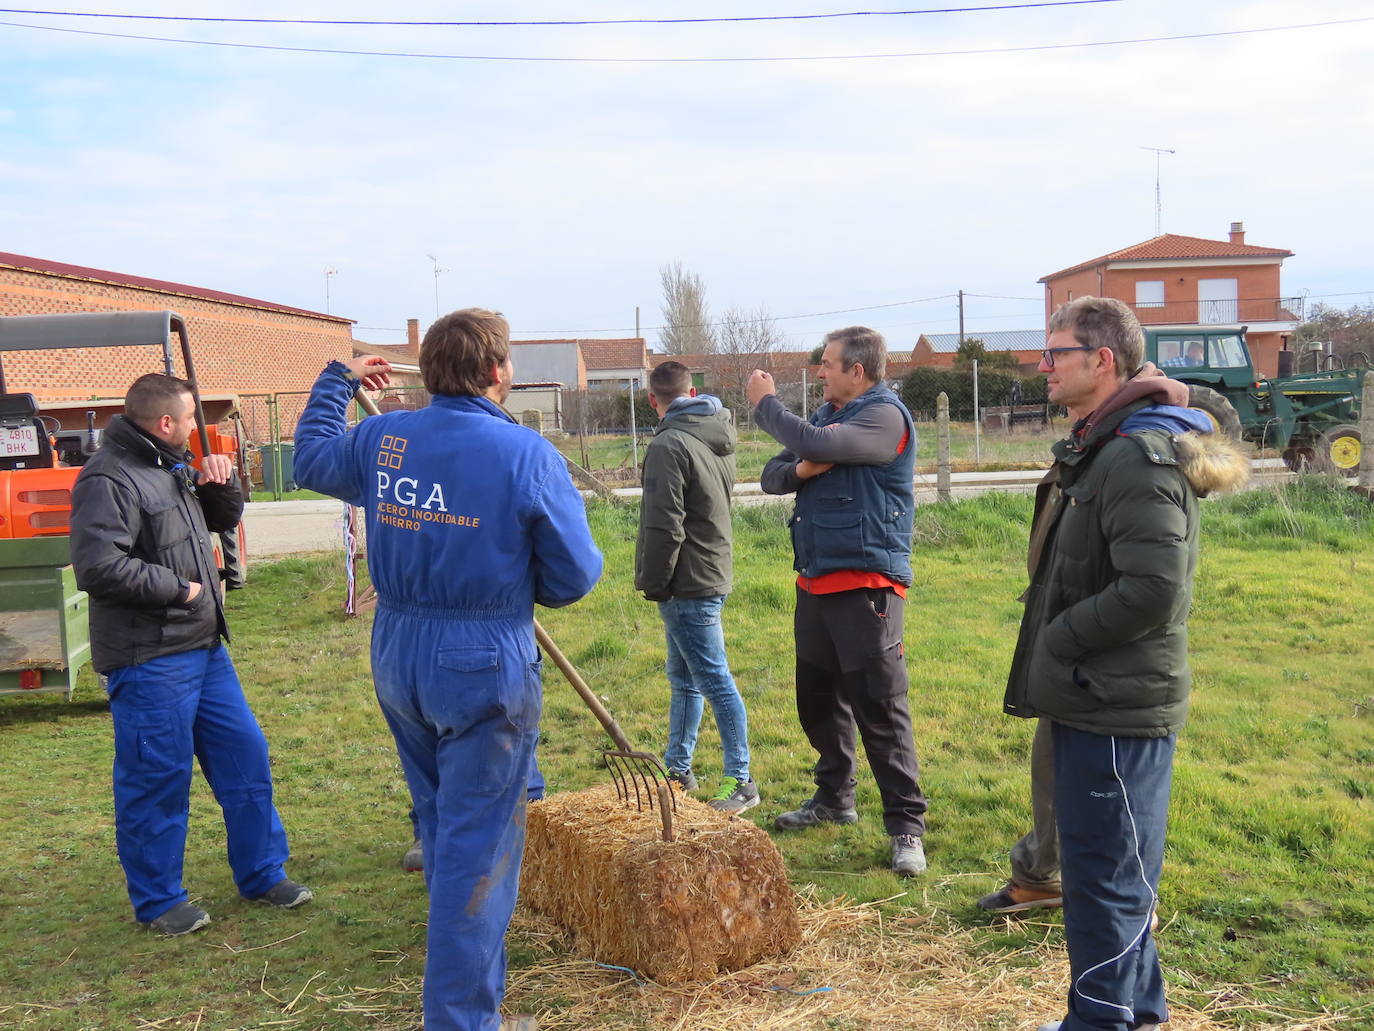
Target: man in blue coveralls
142	516
471	520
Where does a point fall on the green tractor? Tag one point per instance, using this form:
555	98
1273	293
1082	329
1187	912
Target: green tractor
1312	418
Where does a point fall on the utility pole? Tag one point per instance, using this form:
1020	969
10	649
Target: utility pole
961	318
1158	206
437	272
329	273
636	320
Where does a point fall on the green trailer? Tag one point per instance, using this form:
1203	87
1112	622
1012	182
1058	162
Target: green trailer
44	631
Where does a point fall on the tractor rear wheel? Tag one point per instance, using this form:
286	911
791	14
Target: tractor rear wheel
1215	406
1341	449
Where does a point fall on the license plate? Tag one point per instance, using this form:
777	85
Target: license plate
18	441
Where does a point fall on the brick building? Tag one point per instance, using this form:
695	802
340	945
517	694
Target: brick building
241	345
1187	282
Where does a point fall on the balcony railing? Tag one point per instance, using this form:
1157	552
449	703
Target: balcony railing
1221	313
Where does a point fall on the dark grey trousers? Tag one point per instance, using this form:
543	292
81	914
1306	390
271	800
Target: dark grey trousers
1035	858
851	674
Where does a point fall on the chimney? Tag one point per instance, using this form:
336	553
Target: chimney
1237	232
413	338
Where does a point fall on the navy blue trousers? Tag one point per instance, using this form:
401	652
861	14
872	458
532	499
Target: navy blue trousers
166	711
463	704
1111	796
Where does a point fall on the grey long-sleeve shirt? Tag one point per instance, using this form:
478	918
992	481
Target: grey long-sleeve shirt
870	438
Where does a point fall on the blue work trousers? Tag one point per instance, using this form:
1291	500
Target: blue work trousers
166	711
698	672
1112	801
463	704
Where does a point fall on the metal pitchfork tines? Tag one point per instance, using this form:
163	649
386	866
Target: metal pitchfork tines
633	772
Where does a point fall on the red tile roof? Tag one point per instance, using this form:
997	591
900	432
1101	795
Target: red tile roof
57	268
627	353
1172	247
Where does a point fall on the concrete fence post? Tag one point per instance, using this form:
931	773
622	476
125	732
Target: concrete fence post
1367	431
942	446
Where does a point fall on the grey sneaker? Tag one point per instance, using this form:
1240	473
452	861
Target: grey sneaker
908	855
183	918
520	1022
813	814
414	859
285	894
735	796
686	779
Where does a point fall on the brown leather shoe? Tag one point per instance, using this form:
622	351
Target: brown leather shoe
1015	899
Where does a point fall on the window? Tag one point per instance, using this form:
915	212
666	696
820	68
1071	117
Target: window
1149	293
699	380
1228	353
1216	300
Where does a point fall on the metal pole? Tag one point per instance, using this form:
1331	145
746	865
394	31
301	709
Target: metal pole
804	397
942	450
961	318
977	422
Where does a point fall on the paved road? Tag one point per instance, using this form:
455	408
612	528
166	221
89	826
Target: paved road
277	528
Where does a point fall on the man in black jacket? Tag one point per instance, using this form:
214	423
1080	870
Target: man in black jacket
142	517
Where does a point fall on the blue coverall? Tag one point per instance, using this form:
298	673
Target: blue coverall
471	519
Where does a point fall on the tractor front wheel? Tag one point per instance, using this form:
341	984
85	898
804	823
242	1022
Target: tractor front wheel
1215	406
1341	449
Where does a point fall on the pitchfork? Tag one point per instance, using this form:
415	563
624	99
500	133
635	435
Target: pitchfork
631	770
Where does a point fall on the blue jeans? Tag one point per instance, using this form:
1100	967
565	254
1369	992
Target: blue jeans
168	711
698	672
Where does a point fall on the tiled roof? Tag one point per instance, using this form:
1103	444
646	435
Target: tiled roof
1172	247
996	340
627	353
57	268
772	360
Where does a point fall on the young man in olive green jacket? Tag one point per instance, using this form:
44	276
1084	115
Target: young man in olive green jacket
1103	649
683	561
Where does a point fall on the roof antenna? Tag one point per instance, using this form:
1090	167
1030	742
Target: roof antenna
1158	208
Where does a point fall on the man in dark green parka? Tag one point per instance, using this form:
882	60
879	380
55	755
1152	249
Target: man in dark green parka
1102	652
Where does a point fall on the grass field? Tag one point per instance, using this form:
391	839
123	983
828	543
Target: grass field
1266	898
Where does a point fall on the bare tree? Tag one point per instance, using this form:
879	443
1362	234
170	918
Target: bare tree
747	339
686	317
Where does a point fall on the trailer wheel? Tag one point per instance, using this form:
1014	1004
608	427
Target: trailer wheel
1341	449
1215	406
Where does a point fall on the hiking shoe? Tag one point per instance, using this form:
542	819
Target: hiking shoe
285	894
813	814
735	796
1015	899
1055	1025
414	859
908	855
686	780
183	918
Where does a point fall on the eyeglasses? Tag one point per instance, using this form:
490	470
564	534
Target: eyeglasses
1048	356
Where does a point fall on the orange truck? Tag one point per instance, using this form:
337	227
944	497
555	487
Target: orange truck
44	638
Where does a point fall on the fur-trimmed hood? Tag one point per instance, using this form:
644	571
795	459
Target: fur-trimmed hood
1213	462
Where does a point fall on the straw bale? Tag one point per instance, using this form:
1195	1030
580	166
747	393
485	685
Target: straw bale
714	899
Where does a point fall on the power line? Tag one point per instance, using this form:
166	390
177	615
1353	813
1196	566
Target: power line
555	23
517	58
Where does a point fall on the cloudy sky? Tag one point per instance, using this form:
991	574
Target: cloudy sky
554	190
